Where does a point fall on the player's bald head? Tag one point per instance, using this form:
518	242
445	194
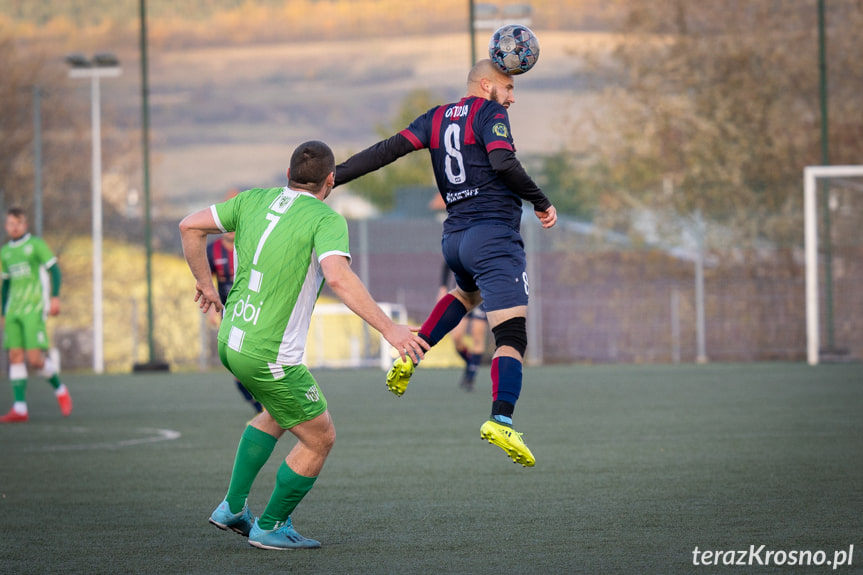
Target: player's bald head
484	69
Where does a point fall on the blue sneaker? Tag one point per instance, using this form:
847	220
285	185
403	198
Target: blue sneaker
281	538
239	523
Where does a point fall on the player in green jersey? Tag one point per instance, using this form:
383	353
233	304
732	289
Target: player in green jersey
288	242
27	266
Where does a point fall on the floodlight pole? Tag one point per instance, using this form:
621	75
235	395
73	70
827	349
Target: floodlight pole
825	160
145	168
95	74
472	22
37	160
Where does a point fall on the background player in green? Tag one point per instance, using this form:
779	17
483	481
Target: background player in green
28	264
288	242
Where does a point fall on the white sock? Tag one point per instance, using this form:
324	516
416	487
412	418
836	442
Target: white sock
47	369
60	390
20	407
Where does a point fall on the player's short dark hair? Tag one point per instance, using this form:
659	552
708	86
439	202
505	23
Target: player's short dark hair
16	212
311	163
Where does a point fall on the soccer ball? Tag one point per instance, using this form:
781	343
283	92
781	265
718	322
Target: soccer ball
514	49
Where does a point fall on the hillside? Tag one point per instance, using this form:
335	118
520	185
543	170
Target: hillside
224	117
229	99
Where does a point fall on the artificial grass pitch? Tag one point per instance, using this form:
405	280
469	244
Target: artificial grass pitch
637	466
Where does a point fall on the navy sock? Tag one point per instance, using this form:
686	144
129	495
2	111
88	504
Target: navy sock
473	362
462	352
445	315
505	385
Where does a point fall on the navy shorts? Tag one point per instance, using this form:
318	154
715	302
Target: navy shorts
489	258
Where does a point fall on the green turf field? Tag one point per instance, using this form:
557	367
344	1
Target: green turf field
636	467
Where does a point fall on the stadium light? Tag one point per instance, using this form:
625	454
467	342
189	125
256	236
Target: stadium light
103	65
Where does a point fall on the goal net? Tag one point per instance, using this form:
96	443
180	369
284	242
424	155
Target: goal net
834	262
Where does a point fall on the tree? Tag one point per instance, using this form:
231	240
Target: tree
413	170
714	106
65	142
560	180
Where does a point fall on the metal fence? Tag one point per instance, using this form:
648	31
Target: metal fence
594	298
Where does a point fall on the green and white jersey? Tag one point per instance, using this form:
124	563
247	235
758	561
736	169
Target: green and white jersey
281	237
25	262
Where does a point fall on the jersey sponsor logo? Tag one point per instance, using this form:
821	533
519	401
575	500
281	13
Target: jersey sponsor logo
19	270
247	310
312	394
457	111
457	196
499	129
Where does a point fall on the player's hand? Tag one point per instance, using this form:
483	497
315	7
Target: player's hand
406	342
207	297
54	306
548	217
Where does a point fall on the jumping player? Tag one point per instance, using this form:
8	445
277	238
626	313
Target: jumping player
28	265
483	185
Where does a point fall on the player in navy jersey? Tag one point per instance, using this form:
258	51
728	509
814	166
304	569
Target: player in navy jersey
220	254
483	185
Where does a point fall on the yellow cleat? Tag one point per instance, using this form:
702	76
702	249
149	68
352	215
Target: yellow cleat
399	376
509	440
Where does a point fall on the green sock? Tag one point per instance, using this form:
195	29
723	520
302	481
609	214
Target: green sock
253	451
19	389
54	380
289	491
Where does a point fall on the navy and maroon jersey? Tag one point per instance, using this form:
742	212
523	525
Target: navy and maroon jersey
459	137
474	162
222	265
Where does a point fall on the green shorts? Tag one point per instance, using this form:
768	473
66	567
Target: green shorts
25	332
289	393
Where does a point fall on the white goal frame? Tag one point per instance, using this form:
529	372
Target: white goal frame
810	218
352	357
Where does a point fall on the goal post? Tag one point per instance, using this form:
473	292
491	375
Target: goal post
810	215
339	339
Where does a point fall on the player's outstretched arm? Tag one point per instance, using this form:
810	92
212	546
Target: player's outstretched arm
350	289
373	158
193	232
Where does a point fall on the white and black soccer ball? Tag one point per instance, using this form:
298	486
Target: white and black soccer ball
514	49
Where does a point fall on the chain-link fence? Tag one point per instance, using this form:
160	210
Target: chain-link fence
595	297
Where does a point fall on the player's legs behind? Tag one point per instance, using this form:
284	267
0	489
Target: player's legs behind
511	340
250	399
470	345
18	377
